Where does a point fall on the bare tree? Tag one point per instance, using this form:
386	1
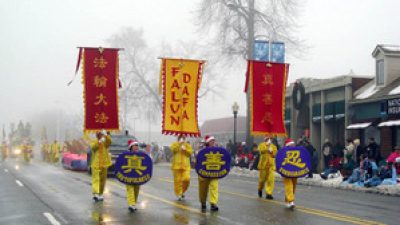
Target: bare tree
236	23
138	74
140	68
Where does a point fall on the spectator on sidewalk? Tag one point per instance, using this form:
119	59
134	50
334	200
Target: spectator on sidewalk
256	157
359	151
334	167
372	150
314	158
327	151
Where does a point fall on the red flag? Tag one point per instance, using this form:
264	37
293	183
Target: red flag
267	97
100	80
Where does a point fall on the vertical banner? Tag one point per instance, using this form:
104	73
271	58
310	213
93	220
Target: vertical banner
267	97
180	81
100	81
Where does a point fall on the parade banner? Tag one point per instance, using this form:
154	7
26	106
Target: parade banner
267	86
213	162
293	162
180	81
100	80
133	168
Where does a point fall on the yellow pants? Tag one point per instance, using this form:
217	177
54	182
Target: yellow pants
181	181
206	185
132	193
290	188
99	177
267	176
27	157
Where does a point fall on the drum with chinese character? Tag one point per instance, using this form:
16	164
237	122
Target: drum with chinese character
133	168
293	162
213	162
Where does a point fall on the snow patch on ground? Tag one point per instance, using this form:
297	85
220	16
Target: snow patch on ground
334	182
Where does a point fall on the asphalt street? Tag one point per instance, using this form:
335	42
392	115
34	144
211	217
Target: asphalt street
39	193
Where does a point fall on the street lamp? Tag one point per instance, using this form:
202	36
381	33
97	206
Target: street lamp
235	109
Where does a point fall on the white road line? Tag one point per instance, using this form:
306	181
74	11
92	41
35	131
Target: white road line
51	218
6	170
19	183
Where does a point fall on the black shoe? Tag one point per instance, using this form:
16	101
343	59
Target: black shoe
203	208
132	209
214	207
323	176
95	198
269	197
260	194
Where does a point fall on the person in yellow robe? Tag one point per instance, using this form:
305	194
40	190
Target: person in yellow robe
208	185
181	152
289	183
26	148
44	150
4	151
132	191
100	161
55	152
266	167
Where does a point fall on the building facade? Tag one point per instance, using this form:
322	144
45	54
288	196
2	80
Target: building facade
375	108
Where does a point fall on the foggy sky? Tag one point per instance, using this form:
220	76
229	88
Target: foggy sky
38	41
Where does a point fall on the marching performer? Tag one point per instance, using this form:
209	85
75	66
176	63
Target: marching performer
289	183
100	161
26	151
266	167
55	152
4	151
132	191
181	152
208	185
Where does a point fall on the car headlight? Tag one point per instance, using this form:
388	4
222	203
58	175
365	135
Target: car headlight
17	151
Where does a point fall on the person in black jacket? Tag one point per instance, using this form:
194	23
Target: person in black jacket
359	151
372	150
314	160
256	157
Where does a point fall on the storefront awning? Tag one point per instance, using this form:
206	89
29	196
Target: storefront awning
358	126
390	123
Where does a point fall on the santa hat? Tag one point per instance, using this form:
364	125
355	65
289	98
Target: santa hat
208	138
132	143
289	141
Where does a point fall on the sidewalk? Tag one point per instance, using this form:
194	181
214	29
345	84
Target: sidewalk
392	190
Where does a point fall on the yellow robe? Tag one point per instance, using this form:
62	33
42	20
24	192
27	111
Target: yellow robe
100	161
181	167
266	167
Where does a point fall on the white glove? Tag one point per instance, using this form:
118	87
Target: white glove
183	148
270	149
104	132
102	140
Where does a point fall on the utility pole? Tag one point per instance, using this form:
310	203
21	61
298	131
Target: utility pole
250	46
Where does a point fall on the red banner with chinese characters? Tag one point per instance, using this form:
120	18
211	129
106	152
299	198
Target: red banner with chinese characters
267	86
100	80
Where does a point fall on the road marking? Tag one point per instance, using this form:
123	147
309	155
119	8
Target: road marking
322	213
51	218
6	170
184	207
19	183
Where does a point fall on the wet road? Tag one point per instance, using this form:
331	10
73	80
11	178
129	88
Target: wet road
45	194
